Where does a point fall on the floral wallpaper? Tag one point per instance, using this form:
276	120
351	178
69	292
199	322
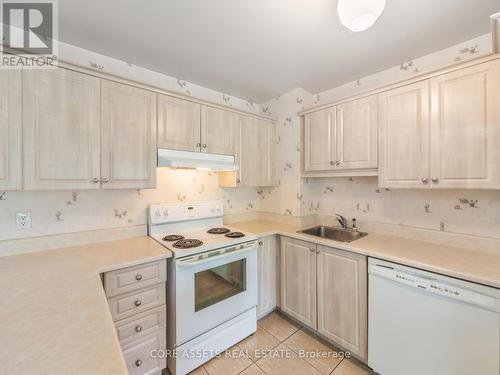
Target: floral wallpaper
55	212
459	211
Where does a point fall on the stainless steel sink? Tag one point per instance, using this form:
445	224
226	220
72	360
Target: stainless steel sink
336	234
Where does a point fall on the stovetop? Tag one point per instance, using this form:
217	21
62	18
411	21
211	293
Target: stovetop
179	241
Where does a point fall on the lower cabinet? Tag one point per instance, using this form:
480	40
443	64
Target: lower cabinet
136	298
267	255
342	298
326	289
298	280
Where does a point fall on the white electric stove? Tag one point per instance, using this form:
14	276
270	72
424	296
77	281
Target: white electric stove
211	281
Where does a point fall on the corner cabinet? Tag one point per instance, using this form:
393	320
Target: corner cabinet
326	289
255	141
444	132
10	130
128	139
61	130
298	280
341	140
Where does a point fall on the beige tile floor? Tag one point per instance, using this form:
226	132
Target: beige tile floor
280	347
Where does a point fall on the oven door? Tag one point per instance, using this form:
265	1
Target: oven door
214	287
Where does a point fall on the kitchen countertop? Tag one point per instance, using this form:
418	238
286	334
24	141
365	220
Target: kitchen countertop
471	265
54	313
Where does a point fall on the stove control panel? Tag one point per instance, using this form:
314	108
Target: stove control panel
175	212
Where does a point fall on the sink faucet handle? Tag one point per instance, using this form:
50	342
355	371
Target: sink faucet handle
354	224
342	220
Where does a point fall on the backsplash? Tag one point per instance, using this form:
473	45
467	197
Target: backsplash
473	212
56	212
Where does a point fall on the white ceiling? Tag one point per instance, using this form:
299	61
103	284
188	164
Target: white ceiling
262	48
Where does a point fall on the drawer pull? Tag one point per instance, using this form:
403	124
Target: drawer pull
138	303
138	363
138	329
138	277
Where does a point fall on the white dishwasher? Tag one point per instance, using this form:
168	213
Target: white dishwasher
421	323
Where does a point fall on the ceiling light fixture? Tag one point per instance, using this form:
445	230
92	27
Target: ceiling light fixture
359	15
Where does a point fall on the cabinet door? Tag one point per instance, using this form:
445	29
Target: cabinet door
357	134
320	134
128	137
178	124
298	280
255	141
217	131
10	129
266	255
404	137
343	299
465	128
61	130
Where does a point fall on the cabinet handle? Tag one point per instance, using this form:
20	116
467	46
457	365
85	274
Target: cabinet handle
95	180
105	180
204	145
138	363
198	144
138	329
312	250
337	163
238	180
332	163
317	251
425	180
138	277
138	303
435	180
261	243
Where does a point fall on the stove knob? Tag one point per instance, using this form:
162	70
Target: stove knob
157	213
165	212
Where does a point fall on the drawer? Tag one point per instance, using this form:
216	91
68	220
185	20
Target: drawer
133	278
141	325
132	303
138	355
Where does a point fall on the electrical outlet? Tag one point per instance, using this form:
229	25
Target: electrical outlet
23	220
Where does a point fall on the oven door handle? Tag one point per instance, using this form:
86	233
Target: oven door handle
236	250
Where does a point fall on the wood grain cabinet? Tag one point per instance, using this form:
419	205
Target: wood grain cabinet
342	299
128	139
320	140
178	124
61	130
444	132
10	130
298	280
342	140
217	131
326	289
136	299
255	141
267	253
188	126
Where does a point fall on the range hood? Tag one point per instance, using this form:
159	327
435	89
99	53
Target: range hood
202	160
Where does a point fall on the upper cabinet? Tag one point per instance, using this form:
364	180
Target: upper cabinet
342	140
357	134
10	130
320	137
178	124
465	128
217	131
187	126
61	130
128	139
453	142
255	142
404	137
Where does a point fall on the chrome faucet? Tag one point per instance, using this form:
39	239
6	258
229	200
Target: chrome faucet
342	220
